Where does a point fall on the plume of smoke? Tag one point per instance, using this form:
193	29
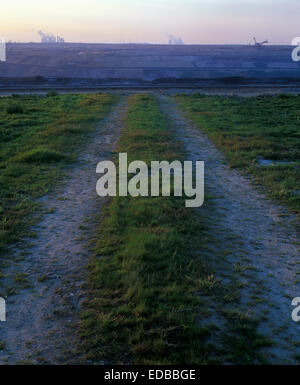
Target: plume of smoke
175	40
49	38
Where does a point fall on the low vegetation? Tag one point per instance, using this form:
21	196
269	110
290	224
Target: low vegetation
38	137
259	135
143	307
154	297
149	277
14	109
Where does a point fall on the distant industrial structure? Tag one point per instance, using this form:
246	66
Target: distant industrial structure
2	49
49	38
259	44
152	64
175	40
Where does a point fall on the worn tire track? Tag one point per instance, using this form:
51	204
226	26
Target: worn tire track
261	250
41	317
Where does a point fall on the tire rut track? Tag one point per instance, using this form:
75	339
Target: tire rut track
251	244
41	317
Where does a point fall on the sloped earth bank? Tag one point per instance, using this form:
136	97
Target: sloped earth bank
254	248
45	285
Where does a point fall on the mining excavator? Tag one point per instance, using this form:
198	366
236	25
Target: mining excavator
259	45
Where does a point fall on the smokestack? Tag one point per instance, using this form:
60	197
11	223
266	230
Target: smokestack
60	39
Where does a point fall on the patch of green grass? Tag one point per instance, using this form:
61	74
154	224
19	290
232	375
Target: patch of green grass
21	279
36	146
149	276
139	286
42	278
52	93
242	338
14	109
40	155
249	130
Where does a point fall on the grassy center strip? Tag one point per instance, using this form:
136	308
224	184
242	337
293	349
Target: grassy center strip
145	274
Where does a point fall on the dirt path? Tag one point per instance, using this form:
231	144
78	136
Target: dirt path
254	247
255	244
49	280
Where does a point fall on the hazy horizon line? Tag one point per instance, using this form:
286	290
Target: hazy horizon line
139	43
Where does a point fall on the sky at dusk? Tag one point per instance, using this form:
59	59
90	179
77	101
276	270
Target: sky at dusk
114	21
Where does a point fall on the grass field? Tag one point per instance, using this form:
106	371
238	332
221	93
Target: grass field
139	290
259	135
39	136
165	285
149	275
